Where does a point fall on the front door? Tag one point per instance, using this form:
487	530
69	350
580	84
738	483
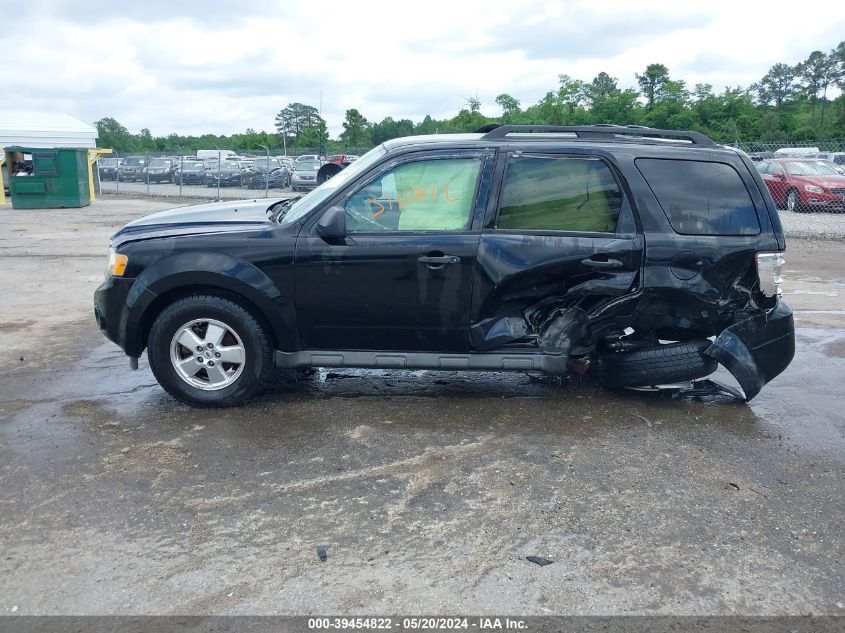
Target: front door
402	277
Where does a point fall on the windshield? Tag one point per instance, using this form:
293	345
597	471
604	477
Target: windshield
307	166
108	162
811	168
132	161
261	163
159	162
319	195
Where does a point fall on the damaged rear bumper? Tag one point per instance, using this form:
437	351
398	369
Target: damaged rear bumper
756	349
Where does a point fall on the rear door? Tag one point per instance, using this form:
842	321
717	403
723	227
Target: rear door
708	219
562	225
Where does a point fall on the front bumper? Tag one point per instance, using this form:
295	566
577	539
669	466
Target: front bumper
757	348
118	304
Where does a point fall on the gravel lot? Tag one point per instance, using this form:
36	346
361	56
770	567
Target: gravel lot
428	489
822	224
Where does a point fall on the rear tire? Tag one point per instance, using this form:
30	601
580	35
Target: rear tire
659	365
205	378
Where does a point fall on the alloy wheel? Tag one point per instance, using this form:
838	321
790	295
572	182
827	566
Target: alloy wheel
207	354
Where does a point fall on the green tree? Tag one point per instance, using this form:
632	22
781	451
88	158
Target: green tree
509	106
315	135
651	82
777	85
295	118
110	133
356	129
812	72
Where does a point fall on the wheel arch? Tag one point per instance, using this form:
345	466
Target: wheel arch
227	277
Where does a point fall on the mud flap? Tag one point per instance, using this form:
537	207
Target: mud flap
756	349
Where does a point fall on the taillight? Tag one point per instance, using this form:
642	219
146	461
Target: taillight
769	269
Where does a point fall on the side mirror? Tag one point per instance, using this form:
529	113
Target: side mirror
332	225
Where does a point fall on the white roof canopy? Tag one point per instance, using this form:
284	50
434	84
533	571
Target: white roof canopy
44	129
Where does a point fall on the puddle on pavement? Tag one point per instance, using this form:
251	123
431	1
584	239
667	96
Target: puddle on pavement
84	412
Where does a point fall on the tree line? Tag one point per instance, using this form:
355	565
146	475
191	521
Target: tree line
789	103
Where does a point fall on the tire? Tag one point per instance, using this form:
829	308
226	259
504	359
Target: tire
651	366
244	338
793	201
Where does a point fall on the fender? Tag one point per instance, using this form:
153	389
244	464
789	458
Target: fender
756	349
218	271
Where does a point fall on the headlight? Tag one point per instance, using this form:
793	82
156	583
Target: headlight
813	189
117	264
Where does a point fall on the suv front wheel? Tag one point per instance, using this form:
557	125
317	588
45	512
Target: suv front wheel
208	351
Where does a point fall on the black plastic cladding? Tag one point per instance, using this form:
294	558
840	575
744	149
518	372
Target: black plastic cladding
520	291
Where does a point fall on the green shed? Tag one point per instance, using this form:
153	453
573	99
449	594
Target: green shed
53	179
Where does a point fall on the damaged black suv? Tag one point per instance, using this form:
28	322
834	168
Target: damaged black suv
646	256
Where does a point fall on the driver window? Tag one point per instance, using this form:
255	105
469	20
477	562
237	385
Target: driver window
427	195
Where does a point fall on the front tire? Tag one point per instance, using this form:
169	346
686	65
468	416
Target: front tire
207	351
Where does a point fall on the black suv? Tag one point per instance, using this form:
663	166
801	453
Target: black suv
644	256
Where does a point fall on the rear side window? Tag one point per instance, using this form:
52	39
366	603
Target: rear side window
701	198
559	194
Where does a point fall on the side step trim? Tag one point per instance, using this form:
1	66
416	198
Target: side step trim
547	363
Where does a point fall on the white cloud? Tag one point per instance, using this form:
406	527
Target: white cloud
229	66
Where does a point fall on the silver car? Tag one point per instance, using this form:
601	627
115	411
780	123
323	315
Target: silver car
305	175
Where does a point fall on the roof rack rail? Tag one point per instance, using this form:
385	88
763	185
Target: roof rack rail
599	131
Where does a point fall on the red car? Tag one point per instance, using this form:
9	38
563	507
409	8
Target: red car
804	184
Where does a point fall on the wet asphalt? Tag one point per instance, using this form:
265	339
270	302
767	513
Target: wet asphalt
427	489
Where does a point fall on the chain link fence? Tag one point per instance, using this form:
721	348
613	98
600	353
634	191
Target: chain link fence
810	204
213	174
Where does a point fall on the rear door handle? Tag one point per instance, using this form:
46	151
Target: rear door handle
434	260
598	263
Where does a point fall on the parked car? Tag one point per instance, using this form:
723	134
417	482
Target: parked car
107	166
214	154
758	156
796	152
132	168
160	170
190	172
802	184
471	251
837	158
230	173
304	175
268	171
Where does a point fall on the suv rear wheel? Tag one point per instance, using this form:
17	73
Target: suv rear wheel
208	351
657	365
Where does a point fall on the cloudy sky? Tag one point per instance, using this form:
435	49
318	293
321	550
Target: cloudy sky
211	66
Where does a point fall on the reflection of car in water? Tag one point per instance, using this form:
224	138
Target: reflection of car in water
800	184
643	257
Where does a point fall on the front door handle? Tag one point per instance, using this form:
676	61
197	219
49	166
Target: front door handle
604	264
439	260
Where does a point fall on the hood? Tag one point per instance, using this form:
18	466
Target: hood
240	215
827	181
